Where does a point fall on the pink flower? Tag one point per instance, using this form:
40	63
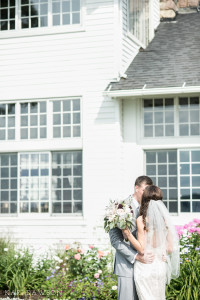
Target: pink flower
100	254
91	246
191	224
77	256
191	230
82	251
67	247
196	221
96	275
198	230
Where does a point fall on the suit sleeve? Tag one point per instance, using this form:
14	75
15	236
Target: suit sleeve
116	239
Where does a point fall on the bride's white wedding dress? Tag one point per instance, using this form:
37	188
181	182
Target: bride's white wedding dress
160	239
150	279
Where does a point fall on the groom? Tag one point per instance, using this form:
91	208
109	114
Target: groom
125	254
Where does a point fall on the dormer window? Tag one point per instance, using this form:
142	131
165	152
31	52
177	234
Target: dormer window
25	14
138	24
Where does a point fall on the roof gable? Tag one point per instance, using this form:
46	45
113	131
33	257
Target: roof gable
172	59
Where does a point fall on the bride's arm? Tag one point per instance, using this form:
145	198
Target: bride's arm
138	243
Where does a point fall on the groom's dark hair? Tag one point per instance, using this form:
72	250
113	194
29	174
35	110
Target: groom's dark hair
143	179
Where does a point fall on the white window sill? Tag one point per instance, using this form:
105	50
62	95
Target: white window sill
135	40
41	31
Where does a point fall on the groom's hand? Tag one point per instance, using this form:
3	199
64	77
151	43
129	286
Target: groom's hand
147	259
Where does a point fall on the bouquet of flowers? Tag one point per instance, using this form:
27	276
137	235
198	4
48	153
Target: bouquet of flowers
118	214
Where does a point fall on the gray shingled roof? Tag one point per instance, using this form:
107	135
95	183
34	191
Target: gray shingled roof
172	57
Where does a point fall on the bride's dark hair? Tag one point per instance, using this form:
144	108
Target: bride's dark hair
151	192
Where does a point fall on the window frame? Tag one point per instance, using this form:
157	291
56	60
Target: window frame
49	114
178	149
167	139
146	31
50	177
19	32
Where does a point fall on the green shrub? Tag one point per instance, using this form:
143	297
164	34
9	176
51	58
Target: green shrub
19	273
187	286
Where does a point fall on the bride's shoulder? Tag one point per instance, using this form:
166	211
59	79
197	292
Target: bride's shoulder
139	220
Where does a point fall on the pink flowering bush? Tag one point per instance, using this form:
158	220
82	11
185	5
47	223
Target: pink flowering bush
83	264
187	286
82	275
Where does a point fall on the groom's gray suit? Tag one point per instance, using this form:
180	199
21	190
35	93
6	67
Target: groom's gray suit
124	263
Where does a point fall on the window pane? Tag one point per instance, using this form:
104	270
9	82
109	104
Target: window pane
8	192
196	193
195	181
184	156
148	131
172	169
195	156
184	181
173	207
67	207
194	129
196	206
34	182
185	169
185	194
159	130
185	206
169	130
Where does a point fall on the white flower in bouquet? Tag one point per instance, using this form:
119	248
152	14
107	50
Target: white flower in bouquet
119	214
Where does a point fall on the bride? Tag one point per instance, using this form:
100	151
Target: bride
155	234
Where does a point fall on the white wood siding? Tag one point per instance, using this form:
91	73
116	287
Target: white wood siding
62	65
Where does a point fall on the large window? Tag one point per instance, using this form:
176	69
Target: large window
189	116
139	19
7	121
23	14
158	117
67	182
34	182
45	182
66	118
33	120
161	120
8	178
40	120
177	173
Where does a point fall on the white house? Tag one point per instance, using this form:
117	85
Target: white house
69	140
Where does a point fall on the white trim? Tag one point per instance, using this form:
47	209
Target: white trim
117	37
41	31
152	92
135	40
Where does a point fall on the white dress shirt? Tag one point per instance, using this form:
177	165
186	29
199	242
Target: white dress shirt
136	205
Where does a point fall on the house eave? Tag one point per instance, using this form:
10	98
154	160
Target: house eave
152	92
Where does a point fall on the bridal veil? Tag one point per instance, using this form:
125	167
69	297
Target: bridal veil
161	238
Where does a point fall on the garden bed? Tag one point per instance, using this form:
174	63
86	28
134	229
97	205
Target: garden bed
76	273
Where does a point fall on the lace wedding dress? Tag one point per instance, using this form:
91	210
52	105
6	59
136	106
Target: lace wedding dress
160	239
150	279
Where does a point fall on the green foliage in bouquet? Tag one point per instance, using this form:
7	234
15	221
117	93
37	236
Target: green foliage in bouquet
187	286
118	214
